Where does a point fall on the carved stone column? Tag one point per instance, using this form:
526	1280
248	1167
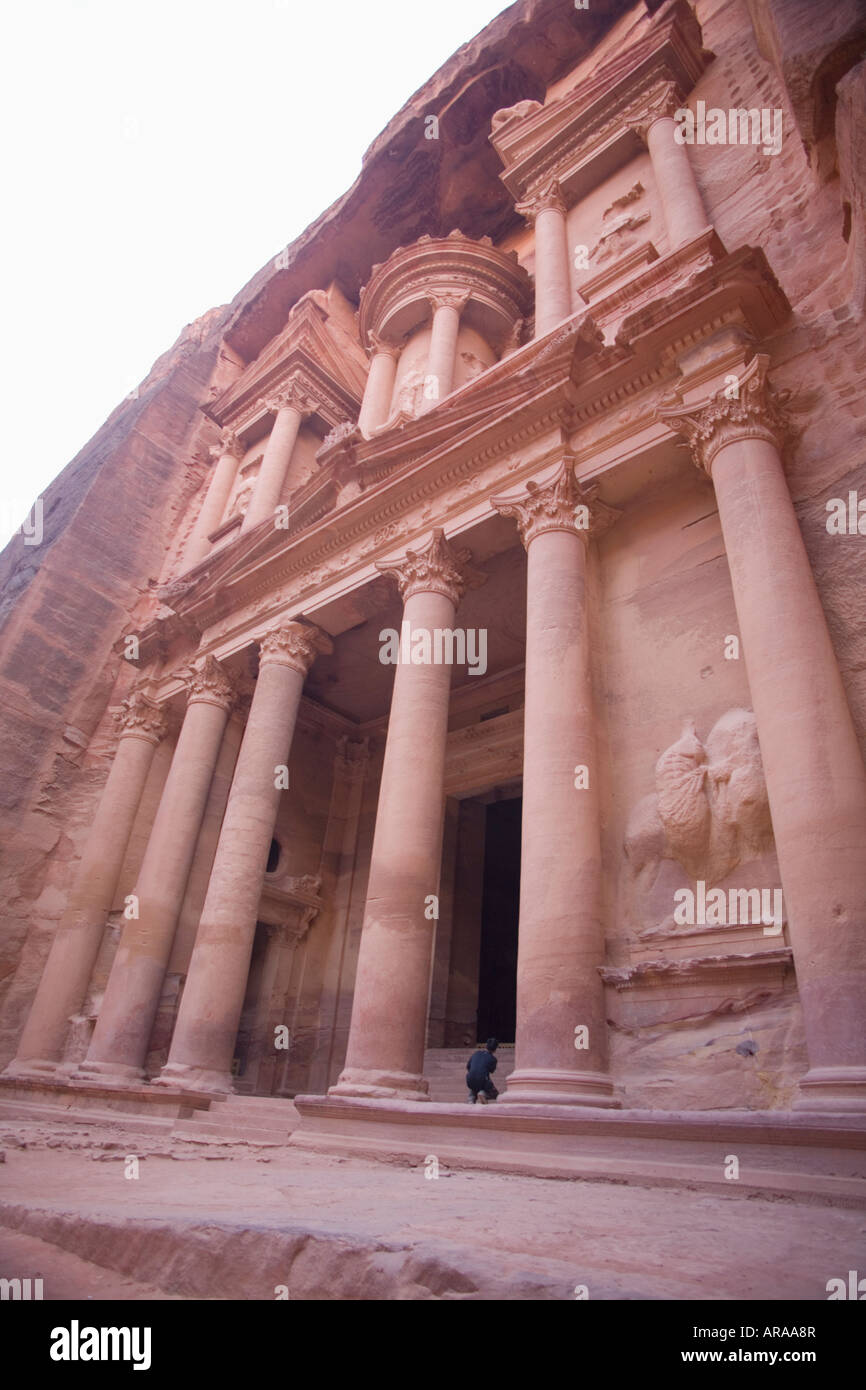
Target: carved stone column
73	953
442	356
546	210
379	389
816	782
120	1039
204	1037
227	455
682	204
385	1055
289	407
561	1044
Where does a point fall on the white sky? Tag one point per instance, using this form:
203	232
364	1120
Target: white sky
155	153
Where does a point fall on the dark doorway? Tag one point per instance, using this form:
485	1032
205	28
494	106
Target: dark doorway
497	977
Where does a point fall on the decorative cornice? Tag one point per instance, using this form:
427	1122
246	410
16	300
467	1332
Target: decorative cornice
695	967
139	717
294	644
438	569
547	197
560	504
755	412
208	684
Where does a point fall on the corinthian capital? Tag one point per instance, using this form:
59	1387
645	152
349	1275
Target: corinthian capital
207	683
139	717
438	569
294	644
448	299
293	396
229	444
548	195
560	504
379	346
663	100
747	408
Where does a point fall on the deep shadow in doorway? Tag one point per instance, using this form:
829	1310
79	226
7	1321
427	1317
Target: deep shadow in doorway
497	978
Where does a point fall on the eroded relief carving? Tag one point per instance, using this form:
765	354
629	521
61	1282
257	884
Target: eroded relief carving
709	812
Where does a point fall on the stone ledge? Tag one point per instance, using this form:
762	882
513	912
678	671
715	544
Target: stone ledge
788	1154
83	1095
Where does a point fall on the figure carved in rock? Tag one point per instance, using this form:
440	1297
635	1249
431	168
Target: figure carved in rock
242	501
411	393
709	811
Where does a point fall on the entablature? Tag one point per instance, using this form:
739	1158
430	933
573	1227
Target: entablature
571	390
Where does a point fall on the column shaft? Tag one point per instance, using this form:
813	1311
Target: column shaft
561	941
389	1013
385	1056
812	762
442	355
268	486
214	503
552	283
561	1043
122	1033
73	953
378	391
680	196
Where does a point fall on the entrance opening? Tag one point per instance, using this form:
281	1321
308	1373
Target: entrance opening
497	975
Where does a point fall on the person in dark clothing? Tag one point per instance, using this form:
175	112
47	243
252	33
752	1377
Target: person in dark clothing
479	1069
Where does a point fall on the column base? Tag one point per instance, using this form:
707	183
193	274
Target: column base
182	1077
838	1089
108	1073
543	1086
380	1085
38	1067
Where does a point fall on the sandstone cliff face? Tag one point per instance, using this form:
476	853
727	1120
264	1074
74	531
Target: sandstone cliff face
108	521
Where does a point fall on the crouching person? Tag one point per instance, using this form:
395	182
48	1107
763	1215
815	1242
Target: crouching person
479	1069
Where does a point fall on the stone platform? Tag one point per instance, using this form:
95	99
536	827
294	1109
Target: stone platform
79	1095
236	1221
778	1153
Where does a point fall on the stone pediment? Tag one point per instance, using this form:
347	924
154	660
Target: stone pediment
306	351
583	136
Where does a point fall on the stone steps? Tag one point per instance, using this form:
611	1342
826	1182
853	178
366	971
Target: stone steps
445	1070
241	1119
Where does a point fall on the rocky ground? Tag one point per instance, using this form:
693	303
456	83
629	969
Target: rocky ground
243	1221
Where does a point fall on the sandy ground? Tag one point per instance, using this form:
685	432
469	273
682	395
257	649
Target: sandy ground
220	1221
